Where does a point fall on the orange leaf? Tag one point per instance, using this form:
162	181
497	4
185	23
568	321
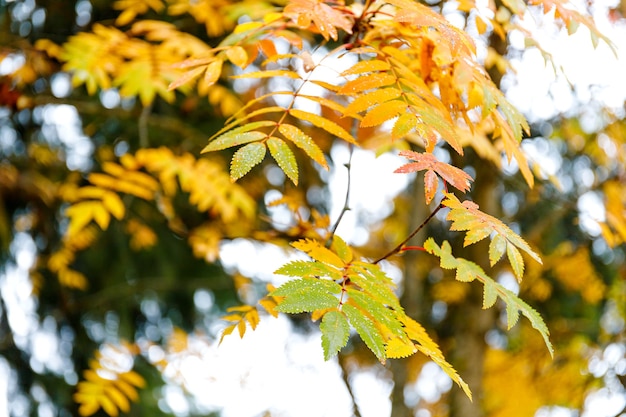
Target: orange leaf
367	66
367	82
427	161
325	18
365	101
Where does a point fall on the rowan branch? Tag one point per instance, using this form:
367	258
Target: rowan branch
400	246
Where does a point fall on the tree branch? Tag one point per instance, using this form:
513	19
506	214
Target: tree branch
399	247
345	375
346	205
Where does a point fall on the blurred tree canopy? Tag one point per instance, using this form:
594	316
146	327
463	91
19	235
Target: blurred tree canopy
142	139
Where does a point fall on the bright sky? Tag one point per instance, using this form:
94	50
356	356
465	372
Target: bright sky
281	370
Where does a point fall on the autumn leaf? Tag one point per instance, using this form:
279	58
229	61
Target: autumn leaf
427	161
478	225
325	18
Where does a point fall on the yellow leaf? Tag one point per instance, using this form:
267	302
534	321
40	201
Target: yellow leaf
318	252
213	72
323	123
384	112
246	26
185	78
370	99
367	82
367	66
238	56
398	348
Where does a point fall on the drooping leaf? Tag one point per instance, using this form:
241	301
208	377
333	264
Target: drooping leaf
304	142
238	56
284	157
405	124
466	216
493	289
245	158
373	308
335	332
366	330
497	247
213	72
186	77
380	114
341	248
323	123
399	348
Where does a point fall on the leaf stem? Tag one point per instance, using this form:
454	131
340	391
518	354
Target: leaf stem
400	246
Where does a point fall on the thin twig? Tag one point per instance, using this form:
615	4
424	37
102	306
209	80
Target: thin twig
399	247
345	375
346	205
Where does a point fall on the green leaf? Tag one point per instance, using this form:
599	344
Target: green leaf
512	315
490	295
304	142
245	158
497	247
405	124
237	136
377	285
376	310
342	250
492	290
335	332
306	295
516	260
303	269
284	157
367	330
